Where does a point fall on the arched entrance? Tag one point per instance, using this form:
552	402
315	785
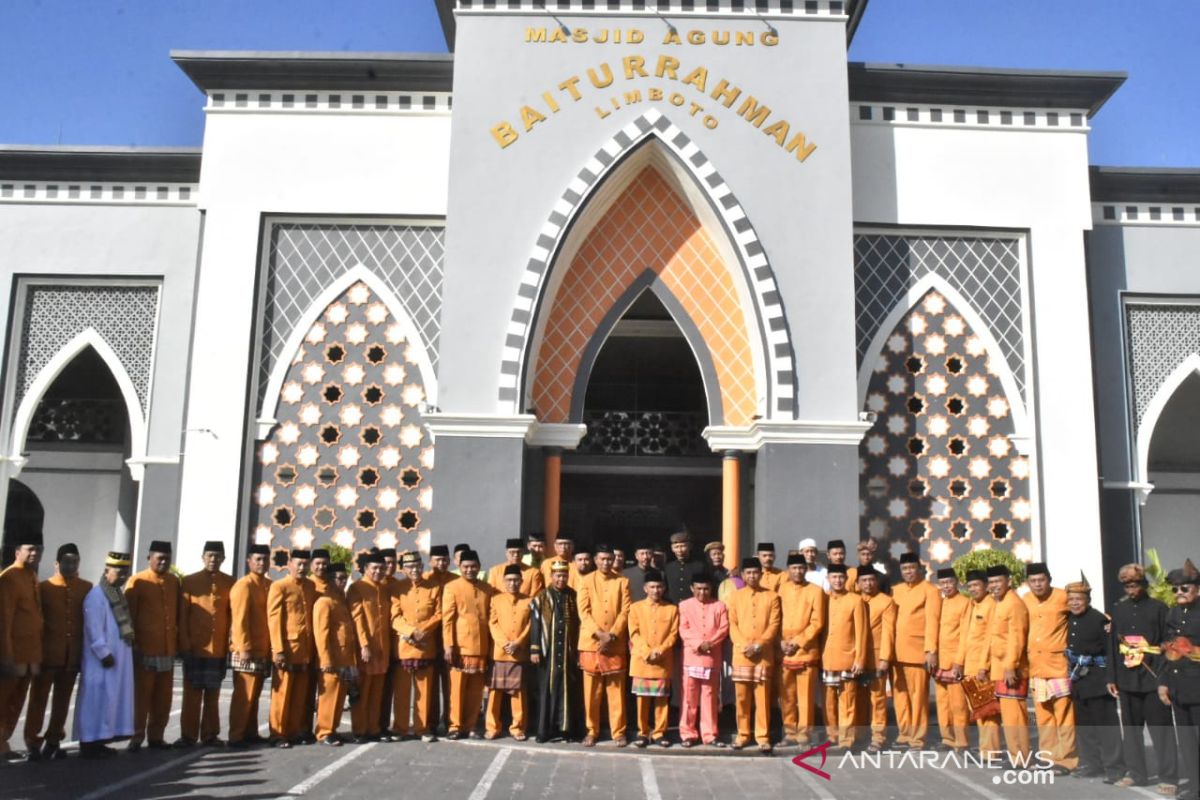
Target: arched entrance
75	447
1173	467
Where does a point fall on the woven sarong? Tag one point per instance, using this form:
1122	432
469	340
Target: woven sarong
415	664
157	663
252	666
652	687
1049	688
471	665
601	664
204	673
753	673
699	673
507	677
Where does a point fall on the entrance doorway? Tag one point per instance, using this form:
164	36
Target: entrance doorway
1169	515
644	469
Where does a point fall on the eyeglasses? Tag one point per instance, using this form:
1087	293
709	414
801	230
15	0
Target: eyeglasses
1183	589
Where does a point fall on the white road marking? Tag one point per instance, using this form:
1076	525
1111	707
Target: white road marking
320	775
489	777
133	780
649	782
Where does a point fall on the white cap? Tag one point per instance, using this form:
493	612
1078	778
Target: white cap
807	543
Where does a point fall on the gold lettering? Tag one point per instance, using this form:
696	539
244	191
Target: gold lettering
725	93
698	78
608	77
769	38
550	102
655	94
634	64
601	37
671	37
695	37
634	36
602	113
800	146
580	35
558	35
695	108
778	131
676	99
741	38
633	97
755	114
613	102
535	34
667	67
530	117
710	121
568	86
504	134
720	37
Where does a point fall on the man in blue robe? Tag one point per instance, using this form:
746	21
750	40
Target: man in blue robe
104	708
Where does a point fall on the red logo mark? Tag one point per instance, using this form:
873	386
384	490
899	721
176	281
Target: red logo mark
799	761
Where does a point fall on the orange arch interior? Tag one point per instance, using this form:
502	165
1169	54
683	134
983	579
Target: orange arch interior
649	226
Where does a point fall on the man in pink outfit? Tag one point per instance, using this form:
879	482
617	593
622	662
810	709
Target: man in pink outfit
703	627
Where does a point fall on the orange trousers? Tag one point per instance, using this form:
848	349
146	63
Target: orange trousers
952	713
798	697
495	710
12	700
192	724
288	690
989	735
152	692
364	715
870	711
331	698
910	698
243	706
757	695
597	689
841	707
413	692
62	682
1014	719
658	708
1056	730
466	697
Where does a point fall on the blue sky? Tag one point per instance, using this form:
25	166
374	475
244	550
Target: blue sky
98	72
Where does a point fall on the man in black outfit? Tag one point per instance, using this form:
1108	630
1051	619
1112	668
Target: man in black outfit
679	571
1138	626
643	554
1093	687
1179	680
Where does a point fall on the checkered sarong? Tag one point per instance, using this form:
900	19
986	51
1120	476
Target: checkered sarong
507	677
753	673
157	663
251	666
204	673
652	687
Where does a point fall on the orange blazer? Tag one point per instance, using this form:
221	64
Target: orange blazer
62	617
154	609
205	618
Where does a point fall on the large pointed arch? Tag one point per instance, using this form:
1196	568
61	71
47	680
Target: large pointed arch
998	363
89	337
764	306
1155	408
356	274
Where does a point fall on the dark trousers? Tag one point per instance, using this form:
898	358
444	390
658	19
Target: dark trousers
1144	708
1098	735
1187	725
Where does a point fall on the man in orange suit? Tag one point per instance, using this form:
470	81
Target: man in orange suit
918	606
604	601
439	575
62	641
249	646
204	622
1049	672
416	623
755	619
336	647
843	658
881	649
972	659
653	634
509	626
951	700
371	608
803	609
772	575
21	624
154	597
466	609
532	580
1007	637
290	603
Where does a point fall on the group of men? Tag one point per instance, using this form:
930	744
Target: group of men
566	640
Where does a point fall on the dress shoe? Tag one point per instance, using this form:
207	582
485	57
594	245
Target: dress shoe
455	736
331	741
94	750
663	742
34	753
717	743
213	742
428	737
158	745
53	751
133	746
641	742
688	743
283	744
182	742
475	735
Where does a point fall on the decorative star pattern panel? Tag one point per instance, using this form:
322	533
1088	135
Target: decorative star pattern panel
938	473
350	461
1161	337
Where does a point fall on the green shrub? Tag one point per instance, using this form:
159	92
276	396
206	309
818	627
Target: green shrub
982	559
340	555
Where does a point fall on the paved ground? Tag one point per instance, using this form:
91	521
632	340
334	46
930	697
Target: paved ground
475	770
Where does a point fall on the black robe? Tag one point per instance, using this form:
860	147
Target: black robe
554	636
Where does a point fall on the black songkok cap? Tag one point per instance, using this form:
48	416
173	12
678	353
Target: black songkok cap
469	555
1036	568
700	574
512	569
751	563
976	575
910	558
834	544
603	548
388	552
67	549
652	576
337	567
305	554
796	557
159	546
374	557
535	536
214	546
461	548
946	572
997	570
835	569
320	552
258	550
765	547
512	544
439	550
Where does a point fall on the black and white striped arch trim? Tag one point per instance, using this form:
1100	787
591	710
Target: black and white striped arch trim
772	323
